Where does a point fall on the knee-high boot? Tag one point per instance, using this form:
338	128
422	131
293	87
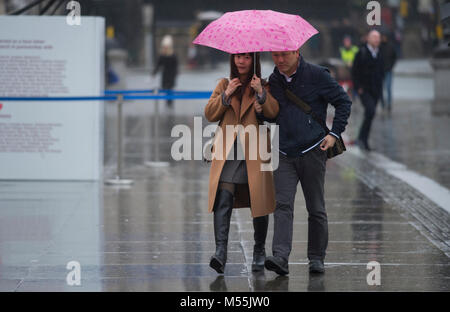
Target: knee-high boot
223	208
260	225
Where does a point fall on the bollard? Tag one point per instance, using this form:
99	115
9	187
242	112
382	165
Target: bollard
118	179
156	162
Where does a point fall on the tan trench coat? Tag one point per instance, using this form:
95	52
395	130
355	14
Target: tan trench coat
260	193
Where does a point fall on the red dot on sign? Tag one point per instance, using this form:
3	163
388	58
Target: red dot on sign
1	106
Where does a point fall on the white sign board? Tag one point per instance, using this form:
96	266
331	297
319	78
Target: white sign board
43	56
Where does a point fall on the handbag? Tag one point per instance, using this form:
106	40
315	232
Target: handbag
339	146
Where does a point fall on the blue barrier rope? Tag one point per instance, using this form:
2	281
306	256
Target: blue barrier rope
168	97
64	98
152	91
132	91
171	95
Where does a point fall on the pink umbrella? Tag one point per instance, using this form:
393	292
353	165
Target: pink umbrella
256	31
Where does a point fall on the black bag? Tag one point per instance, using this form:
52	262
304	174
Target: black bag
339	146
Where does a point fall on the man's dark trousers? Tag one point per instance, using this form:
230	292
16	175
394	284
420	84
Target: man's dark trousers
309	169
369	102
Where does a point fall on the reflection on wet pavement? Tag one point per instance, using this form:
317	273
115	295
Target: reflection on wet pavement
157	234
412	136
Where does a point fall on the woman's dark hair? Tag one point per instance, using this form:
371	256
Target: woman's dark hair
234	73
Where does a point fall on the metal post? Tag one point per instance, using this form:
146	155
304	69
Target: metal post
156	132
156	162
147	140
118	180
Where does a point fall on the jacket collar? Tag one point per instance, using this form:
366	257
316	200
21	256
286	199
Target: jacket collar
240	108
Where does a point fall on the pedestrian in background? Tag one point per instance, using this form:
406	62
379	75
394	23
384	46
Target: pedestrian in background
367	74
238	181
389	56
348	51
168	62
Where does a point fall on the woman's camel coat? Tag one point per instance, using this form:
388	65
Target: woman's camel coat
260	193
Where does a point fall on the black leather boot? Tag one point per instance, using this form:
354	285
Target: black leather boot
260	225
222	216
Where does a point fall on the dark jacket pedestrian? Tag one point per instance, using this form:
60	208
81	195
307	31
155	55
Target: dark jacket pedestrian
169	65
389	55
368	73
168	62
303	145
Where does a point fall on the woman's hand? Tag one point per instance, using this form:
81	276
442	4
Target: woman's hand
232	86
256	85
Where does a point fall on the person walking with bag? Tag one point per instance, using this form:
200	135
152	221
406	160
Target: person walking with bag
238	182
303	91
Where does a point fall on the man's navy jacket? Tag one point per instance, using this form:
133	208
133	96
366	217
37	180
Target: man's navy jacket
368	72
313	84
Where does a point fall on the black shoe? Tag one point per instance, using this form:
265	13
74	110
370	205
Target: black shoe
260	225
277	264
217	264
258	261
316	266
223	207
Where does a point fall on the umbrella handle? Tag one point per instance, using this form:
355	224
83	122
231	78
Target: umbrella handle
254	63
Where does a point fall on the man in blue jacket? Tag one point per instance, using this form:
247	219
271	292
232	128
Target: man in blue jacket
303	143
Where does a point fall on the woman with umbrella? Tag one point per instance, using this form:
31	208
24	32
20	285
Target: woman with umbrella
241	183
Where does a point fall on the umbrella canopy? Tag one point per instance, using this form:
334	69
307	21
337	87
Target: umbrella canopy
256	31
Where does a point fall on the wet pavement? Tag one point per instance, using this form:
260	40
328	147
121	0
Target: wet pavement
157	235
412	136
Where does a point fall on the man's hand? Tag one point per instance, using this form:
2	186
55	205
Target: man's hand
328	142
258	107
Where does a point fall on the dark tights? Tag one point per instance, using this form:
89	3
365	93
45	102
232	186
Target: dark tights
230	187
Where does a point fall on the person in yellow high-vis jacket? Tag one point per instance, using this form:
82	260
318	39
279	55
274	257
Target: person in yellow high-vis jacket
348	51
